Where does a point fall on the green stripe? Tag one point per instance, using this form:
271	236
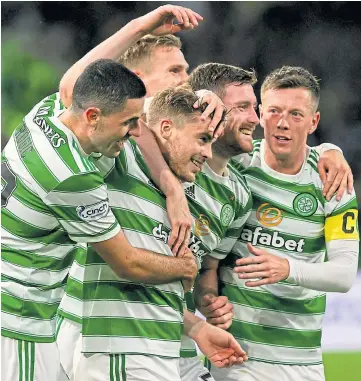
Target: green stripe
27	308
275	336
39	170
111	364
29	284
158	330
27	337
20	358
23	194
21	227
312	165
223	193
82	182
268	301
133	186
259	175
32	260
32	360
124	373
27	362
58	325
131	293
141	223
188	353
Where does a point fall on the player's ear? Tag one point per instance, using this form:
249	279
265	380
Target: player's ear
314	124
166	128
92	116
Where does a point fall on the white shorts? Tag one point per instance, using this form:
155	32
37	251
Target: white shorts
122	367
261	371
192	369
28	361
68	335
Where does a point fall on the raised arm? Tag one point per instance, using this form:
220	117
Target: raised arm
158	22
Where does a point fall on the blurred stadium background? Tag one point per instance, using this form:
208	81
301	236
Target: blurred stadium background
41	40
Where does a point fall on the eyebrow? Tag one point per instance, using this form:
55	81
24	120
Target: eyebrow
255	104
186	67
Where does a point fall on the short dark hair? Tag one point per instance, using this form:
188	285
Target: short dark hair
291	77
215	76
107	85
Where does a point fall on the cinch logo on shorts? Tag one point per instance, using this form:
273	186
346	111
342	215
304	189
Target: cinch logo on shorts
274	240
93	212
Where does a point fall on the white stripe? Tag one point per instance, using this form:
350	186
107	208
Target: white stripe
130	345
32	293
71	305
19	168
280	290
77	271
28	326
98	238
89	197
51	250
47	152
187	343
42	277
139	205
130	310
102	272
75	154
144	241
311	322
31	216
282	354
212	205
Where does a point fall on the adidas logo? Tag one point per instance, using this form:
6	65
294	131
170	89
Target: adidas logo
190	191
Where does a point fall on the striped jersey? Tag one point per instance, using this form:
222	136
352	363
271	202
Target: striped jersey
54	201
148	318
282	323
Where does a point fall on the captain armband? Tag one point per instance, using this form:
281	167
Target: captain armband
342	226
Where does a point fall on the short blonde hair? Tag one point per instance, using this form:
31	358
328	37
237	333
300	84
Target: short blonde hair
175	104
140	52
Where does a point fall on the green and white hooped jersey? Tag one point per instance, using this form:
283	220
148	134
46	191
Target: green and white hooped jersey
53	201
219	205
282	323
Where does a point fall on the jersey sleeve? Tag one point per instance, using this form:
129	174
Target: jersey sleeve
341	218
81	205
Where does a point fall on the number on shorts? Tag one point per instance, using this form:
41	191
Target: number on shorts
206	376
8	183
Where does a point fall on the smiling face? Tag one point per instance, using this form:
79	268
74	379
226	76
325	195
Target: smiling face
186	147
111	131
242	119
288	116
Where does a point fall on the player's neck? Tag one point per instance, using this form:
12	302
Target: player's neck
218	164
289	165
72	122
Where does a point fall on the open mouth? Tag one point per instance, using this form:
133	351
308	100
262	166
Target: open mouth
282	138
245	131
197	163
